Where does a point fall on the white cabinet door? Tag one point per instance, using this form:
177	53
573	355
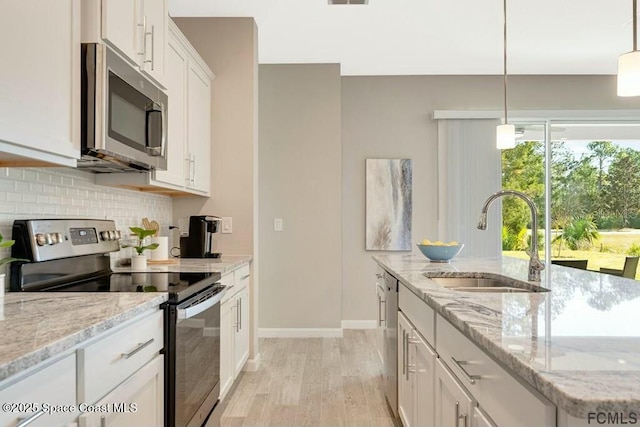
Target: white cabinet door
176	81
242	335
137	402
40	80
55	385
454	406
424	387
405	378
480	419
123	27
199	128
155	37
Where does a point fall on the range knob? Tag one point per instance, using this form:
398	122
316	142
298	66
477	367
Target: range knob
112	235
41	239
56	238
118	235
104	235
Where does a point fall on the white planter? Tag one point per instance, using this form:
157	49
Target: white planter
138	262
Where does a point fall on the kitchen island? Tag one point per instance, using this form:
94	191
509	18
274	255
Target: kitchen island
578	345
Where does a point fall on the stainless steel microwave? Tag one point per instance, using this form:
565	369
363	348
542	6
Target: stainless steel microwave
123	115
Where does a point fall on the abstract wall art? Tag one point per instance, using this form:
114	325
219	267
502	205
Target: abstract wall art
388	204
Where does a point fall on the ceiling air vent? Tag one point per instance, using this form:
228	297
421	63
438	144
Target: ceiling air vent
348	1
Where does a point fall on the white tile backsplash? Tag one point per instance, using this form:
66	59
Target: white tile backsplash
69	193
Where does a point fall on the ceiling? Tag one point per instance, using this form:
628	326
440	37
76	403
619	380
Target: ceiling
416	37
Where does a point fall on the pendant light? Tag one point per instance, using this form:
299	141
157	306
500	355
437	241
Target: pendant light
505	133
629	64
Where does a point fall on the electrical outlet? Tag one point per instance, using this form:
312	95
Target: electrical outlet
277	224
227	225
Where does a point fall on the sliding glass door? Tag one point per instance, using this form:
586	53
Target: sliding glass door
585	179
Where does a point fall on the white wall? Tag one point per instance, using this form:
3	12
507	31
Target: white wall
71	193
301	182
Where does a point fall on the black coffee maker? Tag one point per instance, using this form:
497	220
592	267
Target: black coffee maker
199	242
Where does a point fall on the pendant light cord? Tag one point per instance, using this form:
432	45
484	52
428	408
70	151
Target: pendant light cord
635	25
505	57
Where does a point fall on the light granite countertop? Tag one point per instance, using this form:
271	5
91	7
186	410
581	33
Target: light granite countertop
222	265
39	325
578	345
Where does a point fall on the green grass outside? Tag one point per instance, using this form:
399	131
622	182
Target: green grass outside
608	251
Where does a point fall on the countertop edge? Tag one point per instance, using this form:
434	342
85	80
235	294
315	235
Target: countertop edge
540	381
51	350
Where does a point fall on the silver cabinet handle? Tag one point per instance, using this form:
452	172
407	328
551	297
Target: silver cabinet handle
240	306
138	348
471	378
22	422
245	277
404	351
238	315
379	276
464	417
406	356
188	160
144	37
457	413
379	310
192	159
103	421
153	47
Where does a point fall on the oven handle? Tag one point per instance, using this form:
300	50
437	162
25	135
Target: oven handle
189	312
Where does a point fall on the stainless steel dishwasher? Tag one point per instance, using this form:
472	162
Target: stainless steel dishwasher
391	341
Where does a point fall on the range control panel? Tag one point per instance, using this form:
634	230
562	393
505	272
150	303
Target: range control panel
47	239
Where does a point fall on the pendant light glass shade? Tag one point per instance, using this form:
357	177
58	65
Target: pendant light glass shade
629	74
629	64
505	136
506	133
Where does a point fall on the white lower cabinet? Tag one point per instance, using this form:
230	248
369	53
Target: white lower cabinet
454	405
54	384
137	402
234	327
416	366
447	380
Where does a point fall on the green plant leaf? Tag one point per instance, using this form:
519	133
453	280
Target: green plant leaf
7	260
6	243
141	233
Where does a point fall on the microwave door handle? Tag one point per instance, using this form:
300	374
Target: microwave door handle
159	150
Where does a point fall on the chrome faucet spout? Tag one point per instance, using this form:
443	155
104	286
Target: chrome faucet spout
535	265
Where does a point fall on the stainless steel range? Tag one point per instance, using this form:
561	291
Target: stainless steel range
72	255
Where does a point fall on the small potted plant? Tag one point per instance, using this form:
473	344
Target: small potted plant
139	260
6	260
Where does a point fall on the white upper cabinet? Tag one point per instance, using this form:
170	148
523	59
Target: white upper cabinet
40	82
199	128
122	26
188	81
137	29
154	21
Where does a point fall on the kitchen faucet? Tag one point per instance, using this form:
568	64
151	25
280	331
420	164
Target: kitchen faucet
535	266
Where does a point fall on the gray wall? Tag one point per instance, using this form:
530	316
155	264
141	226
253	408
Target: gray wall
300	182
391	117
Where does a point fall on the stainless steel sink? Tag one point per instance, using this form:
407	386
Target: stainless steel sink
475	284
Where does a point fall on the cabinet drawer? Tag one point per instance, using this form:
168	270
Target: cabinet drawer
55	385
418	312
106	363
508	401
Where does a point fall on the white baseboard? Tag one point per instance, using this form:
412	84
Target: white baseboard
300	332
359	324
252	365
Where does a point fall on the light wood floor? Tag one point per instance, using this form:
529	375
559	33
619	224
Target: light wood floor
329	382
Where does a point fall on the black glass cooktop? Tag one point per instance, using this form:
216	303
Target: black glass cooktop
178	285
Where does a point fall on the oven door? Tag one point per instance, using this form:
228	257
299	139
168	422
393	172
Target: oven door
193	385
